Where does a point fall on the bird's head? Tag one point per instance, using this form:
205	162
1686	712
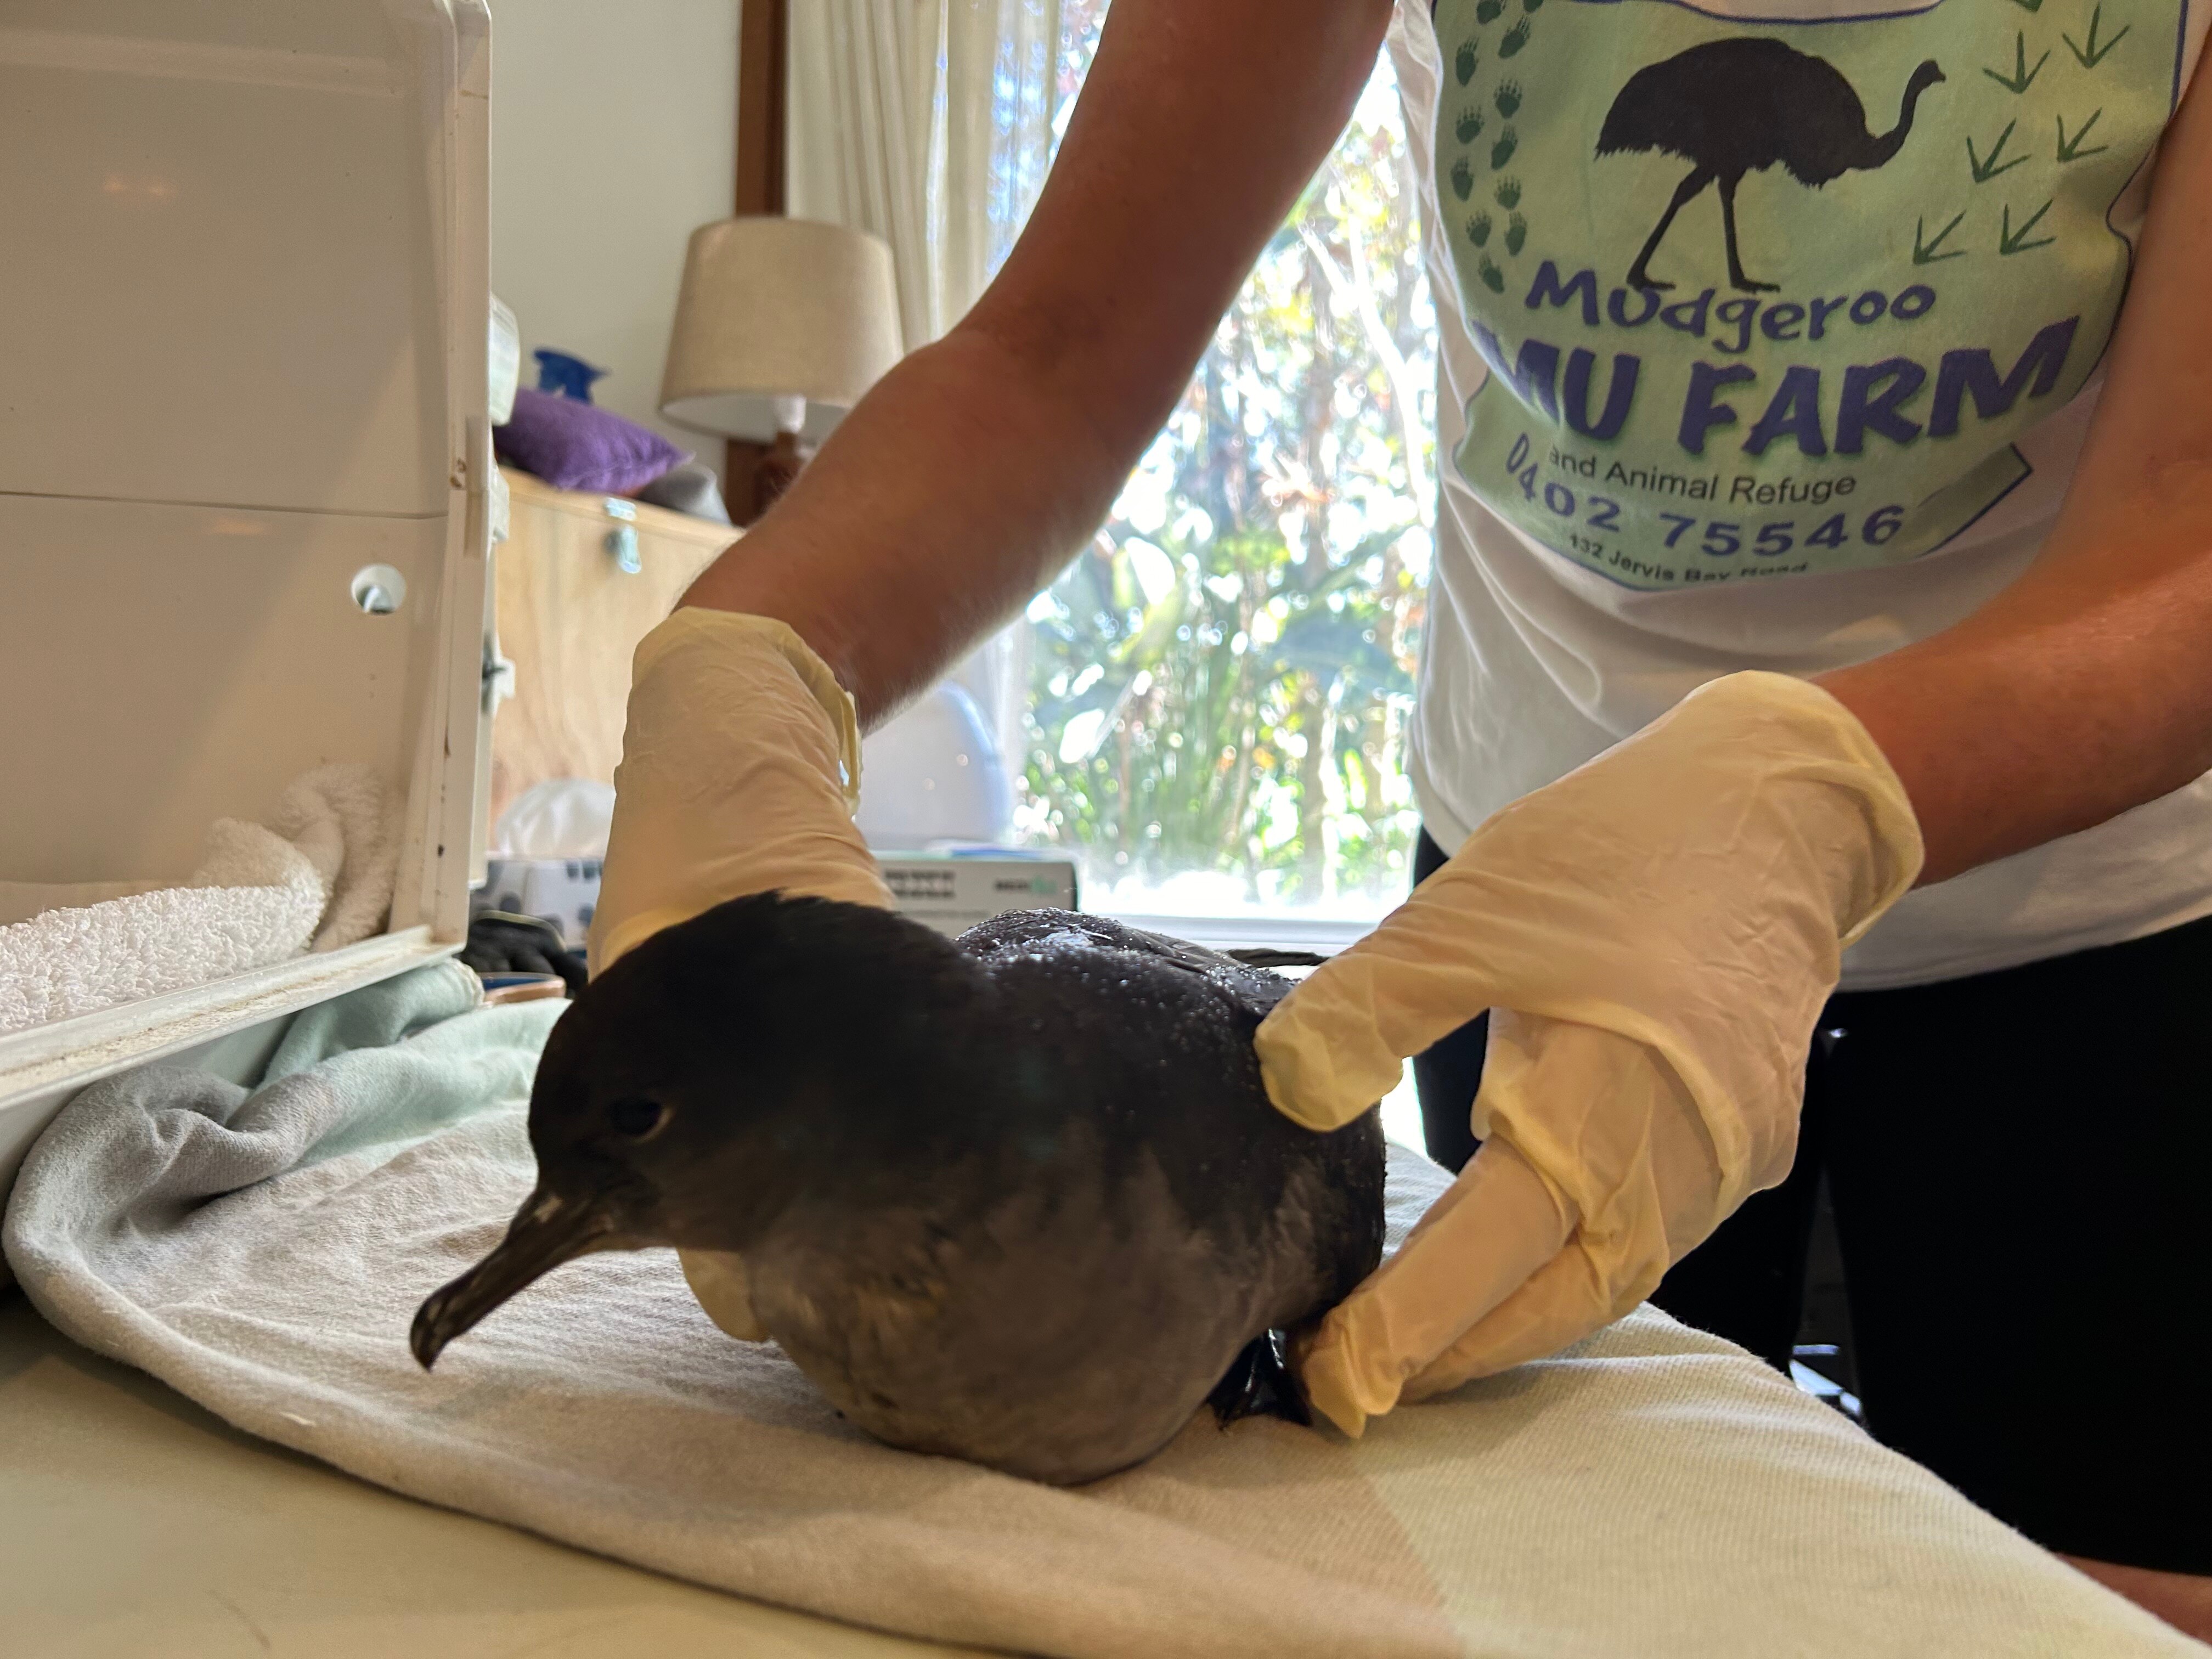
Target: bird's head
1928	74
716	1072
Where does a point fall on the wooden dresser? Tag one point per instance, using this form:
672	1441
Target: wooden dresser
578	582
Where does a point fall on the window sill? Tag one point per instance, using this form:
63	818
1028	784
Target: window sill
1275	930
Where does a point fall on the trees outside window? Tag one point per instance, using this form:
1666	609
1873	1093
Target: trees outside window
1220	683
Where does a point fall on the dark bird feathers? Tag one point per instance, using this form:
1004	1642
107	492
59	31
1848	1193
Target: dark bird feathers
1018	1197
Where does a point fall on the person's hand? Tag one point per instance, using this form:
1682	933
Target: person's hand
741	765
740	771
1657	934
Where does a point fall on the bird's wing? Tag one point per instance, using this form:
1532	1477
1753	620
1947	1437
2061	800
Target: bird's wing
1031	933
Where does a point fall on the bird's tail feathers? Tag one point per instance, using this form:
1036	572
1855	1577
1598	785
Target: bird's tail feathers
1260	1382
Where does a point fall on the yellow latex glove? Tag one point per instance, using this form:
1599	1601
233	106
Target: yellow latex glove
740	770
1657	934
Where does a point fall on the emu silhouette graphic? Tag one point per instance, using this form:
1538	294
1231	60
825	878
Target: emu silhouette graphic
1739	106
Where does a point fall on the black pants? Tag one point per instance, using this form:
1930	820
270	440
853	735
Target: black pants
2021	1169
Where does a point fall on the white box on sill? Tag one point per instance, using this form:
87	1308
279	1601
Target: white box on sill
951	893
954	891
244	337
562	891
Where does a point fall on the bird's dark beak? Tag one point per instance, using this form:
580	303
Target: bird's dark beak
549	1230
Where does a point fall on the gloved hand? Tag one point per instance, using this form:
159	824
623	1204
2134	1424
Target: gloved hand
1655	933
740	770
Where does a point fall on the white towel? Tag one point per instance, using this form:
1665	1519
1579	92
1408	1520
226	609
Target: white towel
347	824
318	875
1654	1492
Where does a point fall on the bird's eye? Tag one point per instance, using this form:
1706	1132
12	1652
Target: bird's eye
638	1119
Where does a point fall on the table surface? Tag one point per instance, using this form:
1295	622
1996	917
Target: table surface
133	1523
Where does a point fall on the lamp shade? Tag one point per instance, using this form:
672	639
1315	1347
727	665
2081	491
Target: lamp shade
778	308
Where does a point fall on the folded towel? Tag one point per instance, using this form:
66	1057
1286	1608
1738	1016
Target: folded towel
318	875
347	824
1654	1491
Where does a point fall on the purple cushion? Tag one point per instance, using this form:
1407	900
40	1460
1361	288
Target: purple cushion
574	446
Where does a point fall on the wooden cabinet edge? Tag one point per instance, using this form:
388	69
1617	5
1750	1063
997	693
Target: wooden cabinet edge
524	489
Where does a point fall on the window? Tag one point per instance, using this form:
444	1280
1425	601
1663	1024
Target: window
1219	684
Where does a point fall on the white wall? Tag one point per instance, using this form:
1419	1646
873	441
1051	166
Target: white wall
613	134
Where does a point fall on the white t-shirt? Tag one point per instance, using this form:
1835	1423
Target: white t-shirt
1846	421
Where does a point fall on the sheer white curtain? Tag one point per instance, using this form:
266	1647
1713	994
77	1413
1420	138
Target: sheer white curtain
928	122
931	124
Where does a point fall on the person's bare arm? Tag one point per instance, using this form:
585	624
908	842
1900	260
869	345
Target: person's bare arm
2085	688
976	468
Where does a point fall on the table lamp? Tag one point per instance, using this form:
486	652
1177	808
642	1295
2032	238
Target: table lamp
781	325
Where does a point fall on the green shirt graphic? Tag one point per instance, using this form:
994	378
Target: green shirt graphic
1766	297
